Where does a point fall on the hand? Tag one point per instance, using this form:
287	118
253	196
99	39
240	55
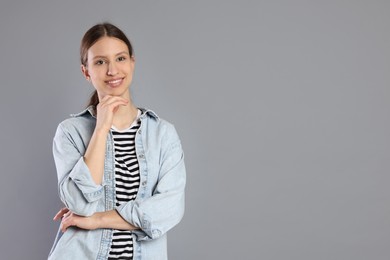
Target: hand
61	213
106	110
70	219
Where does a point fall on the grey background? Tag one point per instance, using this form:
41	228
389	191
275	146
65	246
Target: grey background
282	108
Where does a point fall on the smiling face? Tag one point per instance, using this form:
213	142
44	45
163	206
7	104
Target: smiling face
109	67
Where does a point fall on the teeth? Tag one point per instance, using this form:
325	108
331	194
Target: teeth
115	81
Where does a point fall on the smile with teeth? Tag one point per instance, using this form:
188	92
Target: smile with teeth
114	82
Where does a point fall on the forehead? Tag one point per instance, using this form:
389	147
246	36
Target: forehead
107	46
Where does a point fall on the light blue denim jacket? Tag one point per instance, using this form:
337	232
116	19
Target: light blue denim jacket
159	205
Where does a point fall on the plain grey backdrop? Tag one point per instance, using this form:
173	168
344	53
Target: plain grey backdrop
282	108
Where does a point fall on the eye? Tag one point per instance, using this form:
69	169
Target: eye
121	58
99	62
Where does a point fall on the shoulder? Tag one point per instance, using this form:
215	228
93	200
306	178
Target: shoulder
77	123
82	124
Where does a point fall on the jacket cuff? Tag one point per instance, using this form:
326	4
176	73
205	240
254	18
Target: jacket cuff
146	231
81	176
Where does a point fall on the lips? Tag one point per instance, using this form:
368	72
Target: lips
114	82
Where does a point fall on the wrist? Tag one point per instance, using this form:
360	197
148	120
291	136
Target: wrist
98	219
101	132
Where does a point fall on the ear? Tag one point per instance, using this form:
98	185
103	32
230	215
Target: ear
85	72
132	59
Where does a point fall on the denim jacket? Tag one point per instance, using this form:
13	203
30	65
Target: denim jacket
159	205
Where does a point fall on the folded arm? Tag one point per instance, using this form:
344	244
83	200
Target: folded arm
77	187
165	208
107	219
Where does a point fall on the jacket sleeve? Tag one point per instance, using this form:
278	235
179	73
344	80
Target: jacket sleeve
77	190
165	208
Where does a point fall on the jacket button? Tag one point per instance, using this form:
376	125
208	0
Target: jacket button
140	131
141	156
144	183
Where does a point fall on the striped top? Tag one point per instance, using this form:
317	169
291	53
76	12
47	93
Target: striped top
127	182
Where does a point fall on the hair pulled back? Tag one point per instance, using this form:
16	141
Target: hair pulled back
91	37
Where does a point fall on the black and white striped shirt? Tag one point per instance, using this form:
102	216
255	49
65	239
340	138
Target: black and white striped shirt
127	182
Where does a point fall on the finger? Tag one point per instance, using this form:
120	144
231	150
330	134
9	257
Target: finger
60	213
112	106
63	228
66	223
105	98
109	99
67	215
112	103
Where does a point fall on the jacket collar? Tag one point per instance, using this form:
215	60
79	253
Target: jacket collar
91	110
149	112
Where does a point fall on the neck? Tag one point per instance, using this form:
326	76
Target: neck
125	115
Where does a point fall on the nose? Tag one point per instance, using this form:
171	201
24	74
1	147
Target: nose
112	70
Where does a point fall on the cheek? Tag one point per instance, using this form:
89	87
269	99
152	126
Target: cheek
127	67
97	73
96	79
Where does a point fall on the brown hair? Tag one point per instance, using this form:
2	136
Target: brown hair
91	37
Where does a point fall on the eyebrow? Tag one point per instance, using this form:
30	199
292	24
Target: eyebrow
103	57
